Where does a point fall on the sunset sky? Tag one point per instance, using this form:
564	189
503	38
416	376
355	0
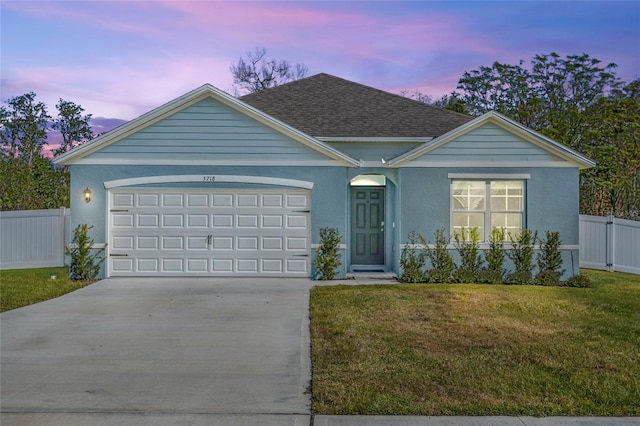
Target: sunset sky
119	59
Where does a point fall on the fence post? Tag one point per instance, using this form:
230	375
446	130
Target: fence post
611	246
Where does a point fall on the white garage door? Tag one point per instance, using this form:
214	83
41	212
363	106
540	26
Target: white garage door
209	232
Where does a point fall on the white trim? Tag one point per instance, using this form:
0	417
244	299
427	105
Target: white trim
573	158
374	139
340	246
378	163
172	162
485	246
190	98
208	179
492	164
503	176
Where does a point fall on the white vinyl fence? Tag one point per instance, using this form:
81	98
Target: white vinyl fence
610	244
33	238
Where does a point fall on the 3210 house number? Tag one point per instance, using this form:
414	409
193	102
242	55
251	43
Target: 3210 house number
208	178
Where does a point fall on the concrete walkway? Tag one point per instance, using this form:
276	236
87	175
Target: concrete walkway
181	352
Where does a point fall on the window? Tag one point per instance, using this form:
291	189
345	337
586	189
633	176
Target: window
487	204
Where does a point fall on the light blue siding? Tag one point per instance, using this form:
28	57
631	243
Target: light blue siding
488	143
373	151
208	130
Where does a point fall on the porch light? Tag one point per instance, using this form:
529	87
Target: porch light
87	194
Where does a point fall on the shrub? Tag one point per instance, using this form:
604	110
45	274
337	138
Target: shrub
328	257
85	266
493	273
549	260
579	280
522	256
470	260
413	259
441	260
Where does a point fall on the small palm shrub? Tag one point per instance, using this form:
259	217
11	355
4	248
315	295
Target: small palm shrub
441	260
522	256
328	257
470	259
413	259
85	265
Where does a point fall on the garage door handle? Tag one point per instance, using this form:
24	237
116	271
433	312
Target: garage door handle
302	211
300	255
118	255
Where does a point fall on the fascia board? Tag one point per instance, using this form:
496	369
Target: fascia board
373	139
532	136
191	98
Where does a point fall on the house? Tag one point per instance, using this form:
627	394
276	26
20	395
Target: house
212	185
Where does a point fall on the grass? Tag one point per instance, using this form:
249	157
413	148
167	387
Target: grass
22	287
456	349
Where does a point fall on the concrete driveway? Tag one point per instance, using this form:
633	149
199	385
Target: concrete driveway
163	347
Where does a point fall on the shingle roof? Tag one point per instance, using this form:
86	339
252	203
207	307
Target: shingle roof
324	105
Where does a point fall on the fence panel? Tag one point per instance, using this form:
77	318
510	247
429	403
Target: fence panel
33	238
610	244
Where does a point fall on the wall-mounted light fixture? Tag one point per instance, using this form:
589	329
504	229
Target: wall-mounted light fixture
87	194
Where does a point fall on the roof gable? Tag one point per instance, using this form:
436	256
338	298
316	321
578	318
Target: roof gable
328	106
492	140
207	121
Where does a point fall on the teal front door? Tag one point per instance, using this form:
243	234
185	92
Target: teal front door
367	226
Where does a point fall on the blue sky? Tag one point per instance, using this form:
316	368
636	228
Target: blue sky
120	59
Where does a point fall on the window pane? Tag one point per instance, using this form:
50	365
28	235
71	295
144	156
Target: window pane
468	221
468	195
511	223
507	195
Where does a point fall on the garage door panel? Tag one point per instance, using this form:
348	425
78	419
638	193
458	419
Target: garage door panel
173	265
172	220
147	265
122	200
222	221
172	200
209	232
172	243
148	200
272	265
247	265
148	243
197	221
148	220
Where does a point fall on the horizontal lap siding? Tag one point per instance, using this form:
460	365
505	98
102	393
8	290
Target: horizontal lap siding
489	143
208	130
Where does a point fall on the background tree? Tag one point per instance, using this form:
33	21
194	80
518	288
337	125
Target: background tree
580	103
73	126
28	180
23	128
258	73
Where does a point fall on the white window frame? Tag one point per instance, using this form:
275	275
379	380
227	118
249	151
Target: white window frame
487	212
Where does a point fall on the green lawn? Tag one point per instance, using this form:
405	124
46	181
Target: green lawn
478	349
22	287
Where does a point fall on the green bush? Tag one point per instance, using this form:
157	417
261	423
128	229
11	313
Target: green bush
470	259
579	280
328	257
85	265
413	259
522	256
494	272
441	260
549	260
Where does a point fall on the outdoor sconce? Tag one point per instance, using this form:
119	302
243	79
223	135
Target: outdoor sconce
87	194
